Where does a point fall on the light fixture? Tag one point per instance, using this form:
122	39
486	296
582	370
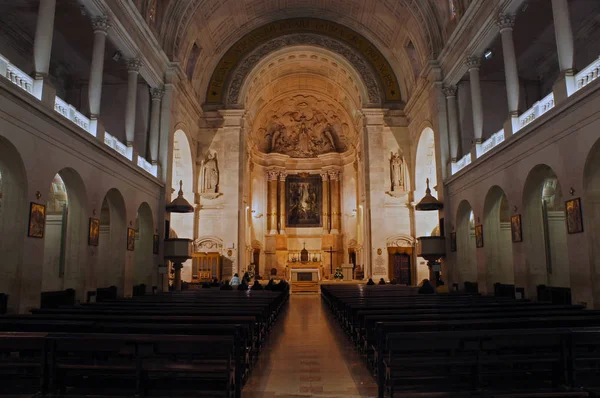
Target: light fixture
117	56
488	54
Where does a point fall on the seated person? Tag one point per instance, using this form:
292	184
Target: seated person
370	282
246	277
394	282
256	286
270	285
381	282
215	283
226	285
235	280
243	285
282	286
426	287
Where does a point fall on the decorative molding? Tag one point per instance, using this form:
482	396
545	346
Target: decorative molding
400	241
157	94
449	91
473	63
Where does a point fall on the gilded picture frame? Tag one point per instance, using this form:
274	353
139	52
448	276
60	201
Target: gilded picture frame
94	232
479	236
37	220
130	239
516	230
304	201
574	216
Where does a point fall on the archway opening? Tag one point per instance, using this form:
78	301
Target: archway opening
497	238
592	201
65	237
544	230
183	172
426	222
144	271
465	244
13	221
110	269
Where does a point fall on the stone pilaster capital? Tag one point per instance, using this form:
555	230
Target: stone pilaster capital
449	91
324	176
157	93
272	175
283	175
133	64
473	63
100	24
334	175
505	22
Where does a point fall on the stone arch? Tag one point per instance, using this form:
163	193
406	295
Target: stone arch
466	262
497	238
65	238
13	220
544	230
144	270
242	56
591	184
110	268
183	170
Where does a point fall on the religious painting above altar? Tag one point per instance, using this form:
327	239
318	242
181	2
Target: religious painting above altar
303	201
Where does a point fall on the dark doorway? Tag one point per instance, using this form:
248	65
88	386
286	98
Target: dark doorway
401	270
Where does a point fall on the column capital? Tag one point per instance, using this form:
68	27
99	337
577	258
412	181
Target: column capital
505	22
449	91
473	63
283	175
324	176
100	24
157	93
334	175
133	64
272	175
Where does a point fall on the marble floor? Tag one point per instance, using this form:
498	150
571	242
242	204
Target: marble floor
308	355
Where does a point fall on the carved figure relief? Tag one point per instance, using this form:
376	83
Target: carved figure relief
210	174
303	127
397	171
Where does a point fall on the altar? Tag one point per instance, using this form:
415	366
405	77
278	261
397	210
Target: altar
304	275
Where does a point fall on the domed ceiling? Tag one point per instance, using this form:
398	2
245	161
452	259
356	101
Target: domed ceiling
198	33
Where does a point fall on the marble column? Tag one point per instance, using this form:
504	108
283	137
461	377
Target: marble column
282	177
133	71
450	93
505	23
42	49
325	178
473	64
565	85
100	26
156	94
334	177
272	177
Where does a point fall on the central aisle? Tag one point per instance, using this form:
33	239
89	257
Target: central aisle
308	355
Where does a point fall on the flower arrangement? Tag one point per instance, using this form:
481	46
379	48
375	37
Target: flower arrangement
338	273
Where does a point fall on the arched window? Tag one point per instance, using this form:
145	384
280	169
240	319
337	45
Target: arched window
452	8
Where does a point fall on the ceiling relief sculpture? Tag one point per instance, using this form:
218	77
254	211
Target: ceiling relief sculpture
303	127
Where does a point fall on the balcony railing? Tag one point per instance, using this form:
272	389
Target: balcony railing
491	142
16	75
587	75
115	144
462	163
149	167
537	110
69	112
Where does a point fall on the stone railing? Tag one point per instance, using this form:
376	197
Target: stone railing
115	144
587	75
537	110
149	167
462	163
16	75
491	142
69	112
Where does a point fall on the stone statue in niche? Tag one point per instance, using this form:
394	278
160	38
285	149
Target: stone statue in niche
397	172
209	175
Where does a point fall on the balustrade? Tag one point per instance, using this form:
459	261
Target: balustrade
16	75
491	142
149	167
115	144
462	163
588	74
68	111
